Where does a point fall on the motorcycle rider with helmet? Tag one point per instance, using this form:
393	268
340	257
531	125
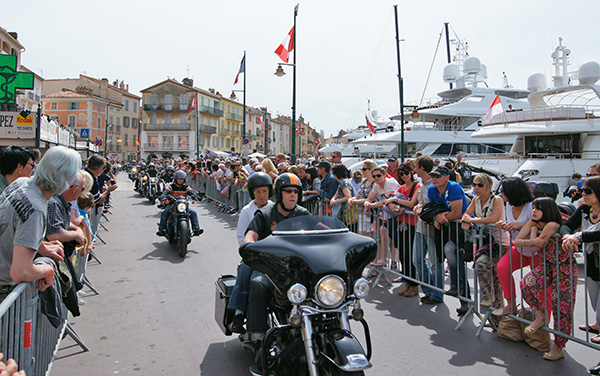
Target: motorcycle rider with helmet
176	189
167	176
260	188
141	172
152	171
288	193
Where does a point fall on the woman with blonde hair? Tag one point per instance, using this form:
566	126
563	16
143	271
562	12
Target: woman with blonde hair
365	222
269	168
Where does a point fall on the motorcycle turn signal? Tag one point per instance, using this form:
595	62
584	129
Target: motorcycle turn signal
358	314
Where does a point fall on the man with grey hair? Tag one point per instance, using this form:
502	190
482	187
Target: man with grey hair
23	208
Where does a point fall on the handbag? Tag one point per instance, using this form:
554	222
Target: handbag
225	192
393	209
430	210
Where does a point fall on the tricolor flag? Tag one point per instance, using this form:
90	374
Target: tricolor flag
318	143
369	125
286	47
262	118
194	102
242	69
495	109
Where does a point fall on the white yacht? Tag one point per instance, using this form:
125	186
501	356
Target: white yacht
560	133
444	128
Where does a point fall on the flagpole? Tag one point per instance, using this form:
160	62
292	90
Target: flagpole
244	115
400	84
294	92
197	134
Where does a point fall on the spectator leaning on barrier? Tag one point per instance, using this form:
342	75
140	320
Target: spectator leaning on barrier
339	201
449	235
559	268
15	162
23	208
486	209
517	212
392	170
365	222
587	216
328	184
431	273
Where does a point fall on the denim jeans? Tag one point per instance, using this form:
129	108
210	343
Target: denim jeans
239	295
258	299
458	268
164	216
433	275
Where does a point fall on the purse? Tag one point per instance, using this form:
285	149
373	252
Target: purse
225	192
430	210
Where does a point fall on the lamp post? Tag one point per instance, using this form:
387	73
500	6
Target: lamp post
400	87
279	73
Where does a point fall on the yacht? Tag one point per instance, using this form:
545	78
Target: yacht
444	128
560	131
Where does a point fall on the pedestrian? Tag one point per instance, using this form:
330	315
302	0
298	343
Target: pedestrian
15	162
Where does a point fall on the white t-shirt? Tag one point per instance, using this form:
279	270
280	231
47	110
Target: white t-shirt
245	218
523	218
391	185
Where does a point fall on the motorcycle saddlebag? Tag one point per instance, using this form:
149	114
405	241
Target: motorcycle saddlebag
224	288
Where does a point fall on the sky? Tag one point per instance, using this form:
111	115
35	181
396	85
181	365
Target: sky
346	49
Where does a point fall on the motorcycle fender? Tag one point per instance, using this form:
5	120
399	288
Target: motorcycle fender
347	353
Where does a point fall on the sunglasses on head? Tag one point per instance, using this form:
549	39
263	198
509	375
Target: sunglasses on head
377	175
480	185
587	190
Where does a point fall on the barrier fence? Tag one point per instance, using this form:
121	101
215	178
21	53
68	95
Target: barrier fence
416	252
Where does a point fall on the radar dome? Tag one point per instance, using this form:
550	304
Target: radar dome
536	82
589	73
450	73
484	71
472	66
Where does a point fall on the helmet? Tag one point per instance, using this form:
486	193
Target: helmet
170	168
151	164
259	179
179	175
287	180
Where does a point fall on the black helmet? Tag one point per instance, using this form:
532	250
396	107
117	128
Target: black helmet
179	174
259	179
287	180
151	164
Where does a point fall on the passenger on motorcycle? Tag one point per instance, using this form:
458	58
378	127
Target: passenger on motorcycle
167	176
288	192
176	189
260	188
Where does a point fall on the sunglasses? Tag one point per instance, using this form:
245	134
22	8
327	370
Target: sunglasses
31	164
377	175
590	175
404	173
365	168
290	191
587	190
480	185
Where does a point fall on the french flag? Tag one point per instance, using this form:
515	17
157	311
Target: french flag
286	47
242	69
262	118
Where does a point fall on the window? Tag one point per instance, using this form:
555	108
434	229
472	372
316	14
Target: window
54	105
153	121
168	142
134	106
72	120
168	121
134	139
183	142
215	141
183	101
134	122
222	143
125	124
201	140
154	101
99	107
126	105
228	144
119	122
153	141
110	120
183	121
99	122
73	106
168	102
126	140
110	143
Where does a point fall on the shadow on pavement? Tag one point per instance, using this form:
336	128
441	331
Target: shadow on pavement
226	358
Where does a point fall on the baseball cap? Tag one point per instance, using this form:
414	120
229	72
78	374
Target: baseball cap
392	158
325	164
439	171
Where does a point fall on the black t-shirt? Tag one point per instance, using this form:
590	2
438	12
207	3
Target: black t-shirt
265	219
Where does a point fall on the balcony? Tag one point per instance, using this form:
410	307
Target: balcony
210	110
164	107
231	115
155	147
166	127
225	132
236	133
207	128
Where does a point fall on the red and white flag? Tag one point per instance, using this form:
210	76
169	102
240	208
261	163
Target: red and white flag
194	102
369	125
495	109
286	47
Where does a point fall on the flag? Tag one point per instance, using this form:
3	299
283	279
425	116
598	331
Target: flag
299	129
262	118
138	142
242	69
495	109
194	102
369	125
318	143
286	46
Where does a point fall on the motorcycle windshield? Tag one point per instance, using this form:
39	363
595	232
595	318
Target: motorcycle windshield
304	249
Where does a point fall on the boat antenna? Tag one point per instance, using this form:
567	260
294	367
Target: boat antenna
448	57
431	68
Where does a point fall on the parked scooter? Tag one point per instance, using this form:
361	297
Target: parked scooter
315	264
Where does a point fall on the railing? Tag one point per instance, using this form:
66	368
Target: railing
232	115
167	127
211	110
225	132
207	128
164	107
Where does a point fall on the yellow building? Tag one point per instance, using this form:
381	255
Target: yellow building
230	127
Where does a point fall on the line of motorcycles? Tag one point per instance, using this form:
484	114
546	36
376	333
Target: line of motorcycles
179	229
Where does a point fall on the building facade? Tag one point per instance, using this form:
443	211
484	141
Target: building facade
230	127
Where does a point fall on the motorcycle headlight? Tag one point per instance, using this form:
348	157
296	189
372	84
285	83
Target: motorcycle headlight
152	180
145	178
181	207
133	169
361	288
297	294
330	291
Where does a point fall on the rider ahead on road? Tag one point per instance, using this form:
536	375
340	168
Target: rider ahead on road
176	189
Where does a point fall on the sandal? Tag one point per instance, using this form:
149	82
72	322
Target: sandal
590	329
373	274
595	339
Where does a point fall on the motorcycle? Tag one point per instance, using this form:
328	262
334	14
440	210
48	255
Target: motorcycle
154	189
178	225
143	184
133	173
315	263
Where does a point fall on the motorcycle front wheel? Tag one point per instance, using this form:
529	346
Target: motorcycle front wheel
184	237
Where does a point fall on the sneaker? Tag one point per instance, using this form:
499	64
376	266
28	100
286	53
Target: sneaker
161	232
431	301
452	292
197	231
487	302
462	310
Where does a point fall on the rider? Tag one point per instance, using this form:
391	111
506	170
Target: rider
176	189
260	188
152	171
141	172
288	192
167	176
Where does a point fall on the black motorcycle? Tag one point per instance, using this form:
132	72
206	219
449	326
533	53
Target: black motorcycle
133	173
178	225
155	187
143	184
315	264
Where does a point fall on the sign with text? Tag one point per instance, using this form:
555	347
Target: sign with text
13	125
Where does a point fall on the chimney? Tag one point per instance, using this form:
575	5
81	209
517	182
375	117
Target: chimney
122	85
127	88
14	34
104	88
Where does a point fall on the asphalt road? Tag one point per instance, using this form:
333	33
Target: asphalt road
155	313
